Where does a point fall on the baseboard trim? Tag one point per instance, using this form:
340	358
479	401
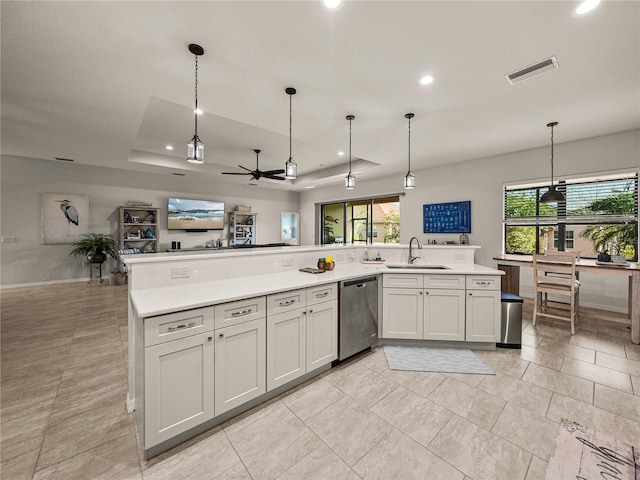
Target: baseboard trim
52	282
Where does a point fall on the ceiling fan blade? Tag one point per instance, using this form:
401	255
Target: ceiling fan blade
273	177
245	168
236	173
273	172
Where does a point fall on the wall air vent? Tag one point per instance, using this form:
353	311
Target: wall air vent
61	159
550	63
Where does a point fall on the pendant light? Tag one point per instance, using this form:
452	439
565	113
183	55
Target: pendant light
350	179
290	167
552	195
409	178
195	148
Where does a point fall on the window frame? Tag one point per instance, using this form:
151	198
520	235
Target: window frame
585	190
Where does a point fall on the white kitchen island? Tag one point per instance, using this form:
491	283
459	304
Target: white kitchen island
213	334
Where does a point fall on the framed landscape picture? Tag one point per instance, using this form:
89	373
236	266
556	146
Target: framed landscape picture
65	217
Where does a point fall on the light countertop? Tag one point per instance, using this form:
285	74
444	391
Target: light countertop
158	301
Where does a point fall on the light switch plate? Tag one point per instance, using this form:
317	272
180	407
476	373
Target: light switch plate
180	272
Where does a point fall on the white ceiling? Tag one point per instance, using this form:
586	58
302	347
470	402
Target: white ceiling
111	83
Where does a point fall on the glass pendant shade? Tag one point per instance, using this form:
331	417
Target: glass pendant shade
350	181
290	169
409	181
552	195
195	151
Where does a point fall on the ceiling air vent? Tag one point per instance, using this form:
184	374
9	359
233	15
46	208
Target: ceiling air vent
550	63
61	159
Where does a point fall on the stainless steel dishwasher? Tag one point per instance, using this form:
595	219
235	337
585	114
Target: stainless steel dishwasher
358	315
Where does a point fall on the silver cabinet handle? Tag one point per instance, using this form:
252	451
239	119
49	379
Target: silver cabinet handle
243	312
181	326
221	335
321	295
310	311
287	302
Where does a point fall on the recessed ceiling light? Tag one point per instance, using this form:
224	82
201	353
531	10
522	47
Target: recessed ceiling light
168	147
197	111
427	79
340	153
310	186
332	4
586	6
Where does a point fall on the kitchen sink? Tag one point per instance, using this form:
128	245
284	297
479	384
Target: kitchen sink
409	266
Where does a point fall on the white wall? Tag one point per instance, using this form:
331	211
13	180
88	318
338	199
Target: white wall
481	181
23	180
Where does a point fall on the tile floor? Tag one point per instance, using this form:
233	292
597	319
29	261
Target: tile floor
64	383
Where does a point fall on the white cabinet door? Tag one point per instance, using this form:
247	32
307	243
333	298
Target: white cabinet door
322	334
286	347
240	364
402	313
483	316
179	387
444	314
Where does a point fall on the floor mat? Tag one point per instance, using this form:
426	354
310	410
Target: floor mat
588	455
423	359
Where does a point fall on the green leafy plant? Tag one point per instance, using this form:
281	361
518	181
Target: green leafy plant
95	244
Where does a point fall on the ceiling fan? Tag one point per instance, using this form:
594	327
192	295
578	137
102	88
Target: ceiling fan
257	174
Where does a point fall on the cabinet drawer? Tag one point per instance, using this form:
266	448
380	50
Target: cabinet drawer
286	301
234	313
483	282
173	326
401	280
444	281
322	293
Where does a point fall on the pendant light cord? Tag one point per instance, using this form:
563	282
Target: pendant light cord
409	144
290	122
349	146
552	156
195	113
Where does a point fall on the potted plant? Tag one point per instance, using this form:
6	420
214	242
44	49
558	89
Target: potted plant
96	247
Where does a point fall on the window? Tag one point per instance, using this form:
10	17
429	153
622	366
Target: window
568	239
598	215
373	220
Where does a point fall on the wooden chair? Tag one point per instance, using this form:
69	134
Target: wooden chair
555	274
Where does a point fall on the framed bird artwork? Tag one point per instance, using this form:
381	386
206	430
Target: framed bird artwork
65	217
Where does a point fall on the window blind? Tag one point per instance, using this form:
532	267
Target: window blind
612	200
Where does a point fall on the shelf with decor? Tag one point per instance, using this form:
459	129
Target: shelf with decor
138	228
242	228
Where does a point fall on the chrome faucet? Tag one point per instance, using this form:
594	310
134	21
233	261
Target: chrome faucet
411	257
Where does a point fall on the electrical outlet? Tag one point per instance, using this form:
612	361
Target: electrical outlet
458	256
339	257
8	239
287	262
353	255
180	272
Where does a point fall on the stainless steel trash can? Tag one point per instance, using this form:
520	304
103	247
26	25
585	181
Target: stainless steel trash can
511	322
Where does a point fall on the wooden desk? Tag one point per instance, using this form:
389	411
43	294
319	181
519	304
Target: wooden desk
510	264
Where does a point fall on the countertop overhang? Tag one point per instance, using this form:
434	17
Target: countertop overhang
162	300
